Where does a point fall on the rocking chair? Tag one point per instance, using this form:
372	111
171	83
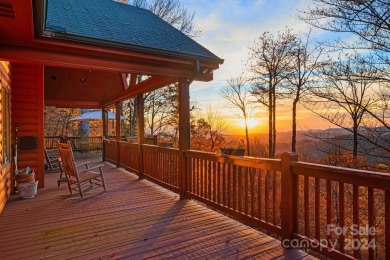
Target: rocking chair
82	180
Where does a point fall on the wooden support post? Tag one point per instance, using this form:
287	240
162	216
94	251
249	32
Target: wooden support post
141	133
184	132
105	131
105	123
288	198
118	130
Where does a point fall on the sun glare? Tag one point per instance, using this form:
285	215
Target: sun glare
252	122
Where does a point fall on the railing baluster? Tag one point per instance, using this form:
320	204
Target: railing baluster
259	189
163	167
371	221
209	179
229	190
219	183
168	173
252	180
240	195
355	202
223	183
246	196
214	181
317	208
234	187
306	206
197	176
329	205
342	218
274	207
202	183
171	171
190	166
266	197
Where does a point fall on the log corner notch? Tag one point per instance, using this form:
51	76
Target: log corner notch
288	205
184	132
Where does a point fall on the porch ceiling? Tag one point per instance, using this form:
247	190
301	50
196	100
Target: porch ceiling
86	87
66	87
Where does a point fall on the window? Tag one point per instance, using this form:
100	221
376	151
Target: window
5	122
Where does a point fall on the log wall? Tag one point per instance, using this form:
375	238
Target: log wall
27	108
5	168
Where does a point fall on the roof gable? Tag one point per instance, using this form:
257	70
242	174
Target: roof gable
113	23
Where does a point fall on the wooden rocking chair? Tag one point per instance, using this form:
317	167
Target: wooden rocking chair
53	161
83	180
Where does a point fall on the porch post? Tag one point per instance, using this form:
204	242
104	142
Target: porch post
118	121
105	131
118	130
105	123
141	133
288	204
184	132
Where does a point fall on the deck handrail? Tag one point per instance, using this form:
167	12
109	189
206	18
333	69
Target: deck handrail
51	141
294	200
377	180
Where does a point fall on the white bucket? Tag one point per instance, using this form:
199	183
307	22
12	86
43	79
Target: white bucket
27	190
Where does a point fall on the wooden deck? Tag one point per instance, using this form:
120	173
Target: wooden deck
134	219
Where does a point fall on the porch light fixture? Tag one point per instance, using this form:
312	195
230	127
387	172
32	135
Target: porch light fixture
207	71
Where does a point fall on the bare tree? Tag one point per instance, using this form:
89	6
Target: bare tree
217	126
237	94
306	60
157	111
368	19
344	94
172	12
270	60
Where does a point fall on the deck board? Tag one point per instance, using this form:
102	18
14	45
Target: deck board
134	219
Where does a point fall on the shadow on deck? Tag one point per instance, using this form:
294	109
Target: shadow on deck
134	219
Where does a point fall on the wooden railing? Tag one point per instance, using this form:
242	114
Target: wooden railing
308	206
111	151
328	197
129	156
51	142
246	188
80	144
162	166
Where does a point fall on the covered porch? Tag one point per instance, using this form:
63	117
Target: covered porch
135	219
49	64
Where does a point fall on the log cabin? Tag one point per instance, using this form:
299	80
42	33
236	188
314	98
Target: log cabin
78	53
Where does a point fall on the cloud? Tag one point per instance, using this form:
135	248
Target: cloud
230	26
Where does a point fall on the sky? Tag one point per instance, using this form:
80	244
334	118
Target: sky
228	27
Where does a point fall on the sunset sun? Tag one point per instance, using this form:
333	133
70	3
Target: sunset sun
252	122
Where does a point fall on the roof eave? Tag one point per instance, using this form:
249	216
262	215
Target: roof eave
47	33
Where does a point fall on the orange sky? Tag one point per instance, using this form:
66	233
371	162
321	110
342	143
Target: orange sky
259	121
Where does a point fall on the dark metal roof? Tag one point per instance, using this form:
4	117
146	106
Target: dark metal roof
112	23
